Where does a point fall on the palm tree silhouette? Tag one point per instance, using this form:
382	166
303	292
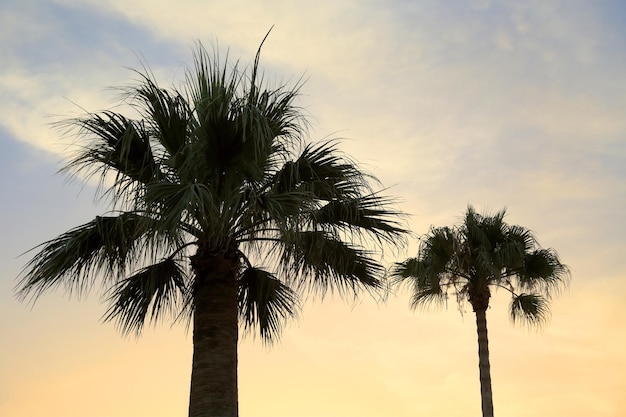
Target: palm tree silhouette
222	214
469	260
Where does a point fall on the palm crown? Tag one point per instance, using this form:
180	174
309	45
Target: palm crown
484	252
220	210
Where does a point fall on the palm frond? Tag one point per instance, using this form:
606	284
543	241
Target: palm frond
281	199
167	114
118	144
523	236
157	290
271	113
322	171
427	296
212	88
408	268
426	284
542	271
260	210
269	122
281	119
323	191
265	303
531	309
318	263
181	203
439	252
483	237
369	214
107	245
509	246
225	121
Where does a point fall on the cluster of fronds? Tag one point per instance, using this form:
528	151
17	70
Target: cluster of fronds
221	162
481	253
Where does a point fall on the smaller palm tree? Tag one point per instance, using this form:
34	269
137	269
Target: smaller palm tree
469	260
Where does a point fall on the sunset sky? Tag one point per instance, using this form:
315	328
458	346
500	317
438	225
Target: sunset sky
516	104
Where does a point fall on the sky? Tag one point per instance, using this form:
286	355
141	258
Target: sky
484	102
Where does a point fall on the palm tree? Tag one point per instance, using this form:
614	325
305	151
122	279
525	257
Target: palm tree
221	214
469	260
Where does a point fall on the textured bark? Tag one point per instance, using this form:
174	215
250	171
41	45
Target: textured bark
483	363
215	333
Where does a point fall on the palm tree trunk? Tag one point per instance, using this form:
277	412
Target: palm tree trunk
483	363
215	333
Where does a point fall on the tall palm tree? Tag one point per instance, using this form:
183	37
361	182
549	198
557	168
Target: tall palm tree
221	214
469	260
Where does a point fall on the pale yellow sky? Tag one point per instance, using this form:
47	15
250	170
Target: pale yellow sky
493	103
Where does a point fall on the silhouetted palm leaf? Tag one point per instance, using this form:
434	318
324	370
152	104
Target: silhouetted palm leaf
531	308
265	302
156	290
